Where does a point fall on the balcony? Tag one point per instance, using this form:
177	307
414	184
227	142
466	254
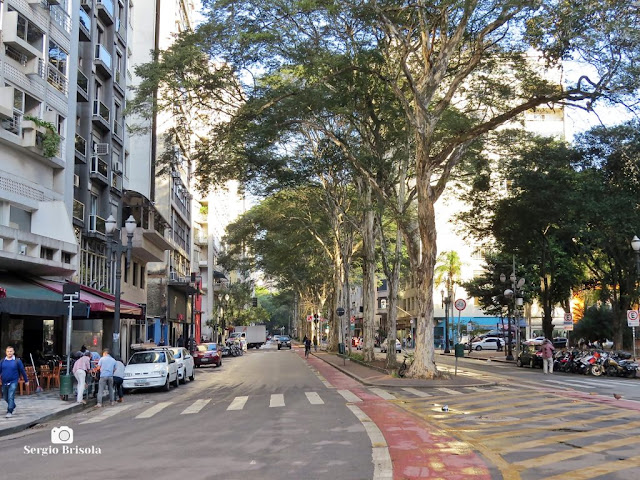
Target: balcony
6	102
201	240
101	115
78	211
121	30
29	43
16	55
86	5
103	60
105	10
57	79
99	170
96	225
118	131
85	26
83	87
81	147
60	16
119	82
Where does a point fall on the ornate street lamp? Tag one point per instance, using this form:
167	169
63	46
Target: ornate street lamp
512	293
115	247
635	244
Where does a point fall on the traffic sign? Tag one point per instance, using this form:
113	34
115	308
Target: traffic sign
340	311
568	317
460	304
353	320
309	318
568	327
633	319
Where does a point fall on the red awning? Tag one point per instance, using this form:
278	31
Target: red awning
98	301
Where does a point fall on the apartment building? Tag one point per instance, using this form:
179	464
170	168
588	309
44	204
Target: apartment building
37	239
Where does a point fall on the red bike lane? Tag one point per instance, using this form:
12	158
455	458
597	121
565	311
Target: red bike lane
417	448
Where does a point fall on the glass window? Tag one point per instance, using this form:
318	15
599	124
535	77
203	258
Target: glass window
148	357
212	347
58	57
142	276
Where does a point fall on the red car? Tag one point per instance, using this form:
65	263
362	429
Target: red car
207	354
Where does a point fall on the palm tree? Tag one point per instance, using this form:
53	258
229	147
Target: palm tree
448	272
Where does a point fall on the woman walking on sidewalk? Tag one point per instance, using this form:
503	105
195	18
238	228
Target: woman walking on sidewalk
547	356
80	369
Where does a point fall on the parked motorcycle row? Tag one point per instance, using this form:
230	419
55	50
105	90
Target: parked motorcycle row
233	349
595	362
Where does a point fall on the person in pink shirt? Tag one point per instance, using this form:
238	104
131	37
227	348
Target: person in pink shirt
547	356
80	369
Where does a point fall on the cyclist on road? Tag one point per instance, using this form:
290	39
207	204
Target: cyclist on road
307	346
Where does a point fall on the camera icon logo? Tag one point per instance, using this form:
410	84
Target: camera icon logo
61	435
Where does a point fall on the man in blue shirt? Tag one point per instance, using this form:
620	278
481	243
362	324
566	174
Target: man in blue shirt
106	366
10	370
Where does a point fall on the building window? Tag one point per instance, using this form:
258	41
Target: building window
58	58
142	276
126	272
135	274
66	258
46	253
28	31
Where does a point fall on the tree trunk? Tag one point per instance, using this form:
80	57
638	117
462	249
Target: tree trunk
393	282
424	365
368	276
338	298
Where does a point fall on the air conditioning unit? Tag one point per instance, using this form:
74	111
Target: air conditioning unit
76	180
116	166
101	148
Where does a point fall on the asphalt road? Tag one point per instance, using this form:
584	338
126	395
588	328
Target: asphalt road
264	415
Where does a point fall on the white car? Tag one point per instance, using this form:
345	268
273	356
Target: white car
185	362
489	343
383	346
151	369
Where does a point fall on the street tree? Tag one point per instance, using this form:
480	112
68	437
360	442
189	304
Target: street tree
456	69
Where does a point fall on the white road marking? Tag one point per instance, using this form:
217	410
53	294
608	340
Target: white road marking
478	389
382	393
382	466
589	383
196	406
349	396
314	398
238	403
277	400
106	413
449	391
150	412
417	392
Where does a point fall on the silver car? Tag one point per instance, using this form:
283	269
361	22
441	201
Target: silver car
186	366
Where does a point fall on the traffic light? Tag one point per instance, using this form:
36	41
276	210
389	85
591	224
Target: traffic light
254	301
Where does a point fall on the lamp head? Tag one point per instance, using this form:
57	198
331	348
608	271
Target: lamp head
520	283
635	244
110	225
508	293
130	225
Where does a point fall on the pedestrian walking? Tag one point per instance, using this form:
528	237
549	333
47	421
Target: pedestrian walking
118	378
80	369
547	356
180	341
106	366
307	346
11	368
315	343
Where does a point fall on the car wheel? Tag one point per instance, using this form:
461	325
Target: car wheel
176	383
184	376
193	374
167	387
519	363
478	348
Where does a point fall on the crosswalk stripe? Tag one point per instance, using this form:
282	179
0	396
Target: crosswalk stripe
196	406
383	393
476	389
349	396
591	383
277	400
238	403
417	392
314	398
110	412
150	412
449	391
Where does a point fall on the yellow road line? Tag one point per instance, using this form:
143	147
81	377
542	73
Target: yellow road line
585	473
566	436
576	452
523	431
501	406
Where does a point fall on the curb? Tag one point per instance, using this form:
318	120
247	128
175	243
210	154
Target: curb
395	385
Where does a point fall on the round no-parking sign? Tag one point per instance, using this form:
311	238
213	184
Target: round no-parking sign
633	319
460	304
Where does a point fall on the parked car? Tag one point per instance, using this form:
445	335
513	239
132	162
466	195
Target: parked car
284	341
383	346
560	342
490	343
530	354
186	364
151	369
207	354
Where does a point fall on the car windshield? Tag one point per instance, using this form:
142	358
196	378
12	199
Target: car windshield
177	353
284	338
207	347
148	357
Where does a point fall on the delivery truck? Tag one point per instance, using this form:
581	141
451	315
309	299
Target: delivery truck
254	335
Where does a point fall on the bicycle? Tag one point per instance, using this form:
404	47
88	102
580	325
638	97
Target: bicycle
403	368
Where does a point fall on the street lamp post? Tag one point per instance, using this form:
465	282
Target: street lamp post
635	244
512	293
114	246
445	301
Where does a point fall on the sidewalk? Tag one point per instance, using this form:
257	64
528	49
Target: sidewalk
37	408
371	377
